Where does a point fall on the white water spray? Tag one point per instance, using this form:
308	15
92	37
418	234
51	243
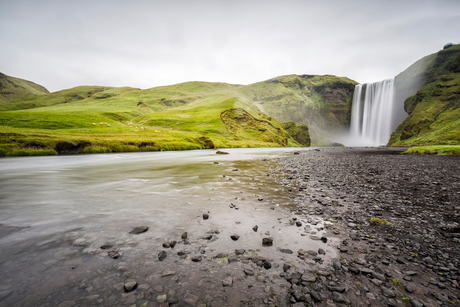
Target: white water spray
371	113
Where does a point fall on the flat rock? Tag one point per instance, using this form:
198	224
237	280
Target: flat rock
190	299
139	229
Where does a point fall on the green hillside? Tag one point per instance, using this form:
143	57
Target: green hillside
182	116
323	103
190	115
434	110
12	88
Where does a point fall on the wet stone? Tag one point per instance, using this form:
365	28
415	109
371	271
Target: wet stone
114	254
255	228
267	241
162	255
235	237
197	258
205	216
139	229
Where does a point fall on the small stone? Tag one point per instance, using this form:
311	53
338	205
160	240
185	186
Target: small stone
162	255
267	265
166	245
190	299
388	293
172	244
286	251
139	229
106	246
321	251
168	272
298	223
411	273
316	296
337	265
227	282
255	228
235	237
240	251
339	298
161	298
267	241
205	216
114	254
416	303
248	272
197	259
130	285
184	236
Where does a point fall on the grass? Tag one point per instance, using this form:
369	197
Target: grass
434	150
175	117
379	221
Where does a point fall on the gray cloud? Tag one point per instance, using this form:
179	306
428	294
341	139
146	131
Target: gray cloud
62	44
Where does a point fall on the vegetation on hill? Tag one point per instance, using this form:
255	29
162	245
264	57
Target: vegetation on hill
12	88
323	103
434	111
189	115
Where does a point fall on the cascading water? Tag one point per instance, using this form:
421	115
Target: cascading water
371	113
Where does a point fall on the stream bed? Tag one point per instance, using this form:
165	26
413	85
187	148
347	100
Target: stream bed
57	212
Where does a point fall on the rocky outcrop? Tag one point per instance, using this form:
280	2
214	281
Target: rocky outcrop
299	133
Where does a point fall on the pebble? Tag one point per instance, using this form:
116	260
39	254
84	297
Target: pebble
162	255
267	241
130	285
227	282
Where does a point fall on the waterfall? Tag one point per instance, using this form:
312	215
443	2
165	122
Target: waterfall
371	113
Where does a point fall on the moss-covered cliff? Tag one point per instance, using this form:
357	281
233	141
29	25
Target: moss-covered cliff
434	109
323	103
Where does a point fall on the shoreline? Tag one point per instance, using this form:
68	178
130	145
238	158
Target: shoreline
323	208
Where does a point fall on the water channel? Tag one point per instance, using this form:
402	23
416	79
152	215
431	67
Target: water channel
57	212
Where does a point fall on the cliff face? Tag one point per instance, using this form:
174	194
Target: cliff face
323	103
433	108
12	88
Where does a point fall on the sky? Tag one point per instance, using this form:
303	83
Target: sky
61	44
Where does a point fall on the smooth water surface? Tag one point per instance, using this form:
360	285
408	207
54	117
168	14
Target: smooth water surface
56	212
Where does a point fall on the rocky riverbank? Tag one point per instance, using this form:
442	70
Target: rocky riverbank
396	218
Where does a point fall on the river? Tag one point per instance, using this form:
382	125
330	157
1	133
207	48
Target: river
57	212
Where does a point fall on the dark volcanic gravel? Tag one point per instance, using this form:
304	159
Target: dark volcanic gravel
397	219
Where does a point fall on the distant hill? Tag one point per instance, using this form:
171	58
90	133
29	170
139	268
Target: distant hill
276	112
12	88
433	105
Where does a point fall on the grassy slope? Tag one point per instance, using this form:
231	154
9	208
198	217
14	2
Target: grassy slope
120	119
178	116
434	111
12	88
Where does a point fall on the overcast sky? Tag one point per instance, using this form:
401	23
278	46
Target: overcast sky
146	43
